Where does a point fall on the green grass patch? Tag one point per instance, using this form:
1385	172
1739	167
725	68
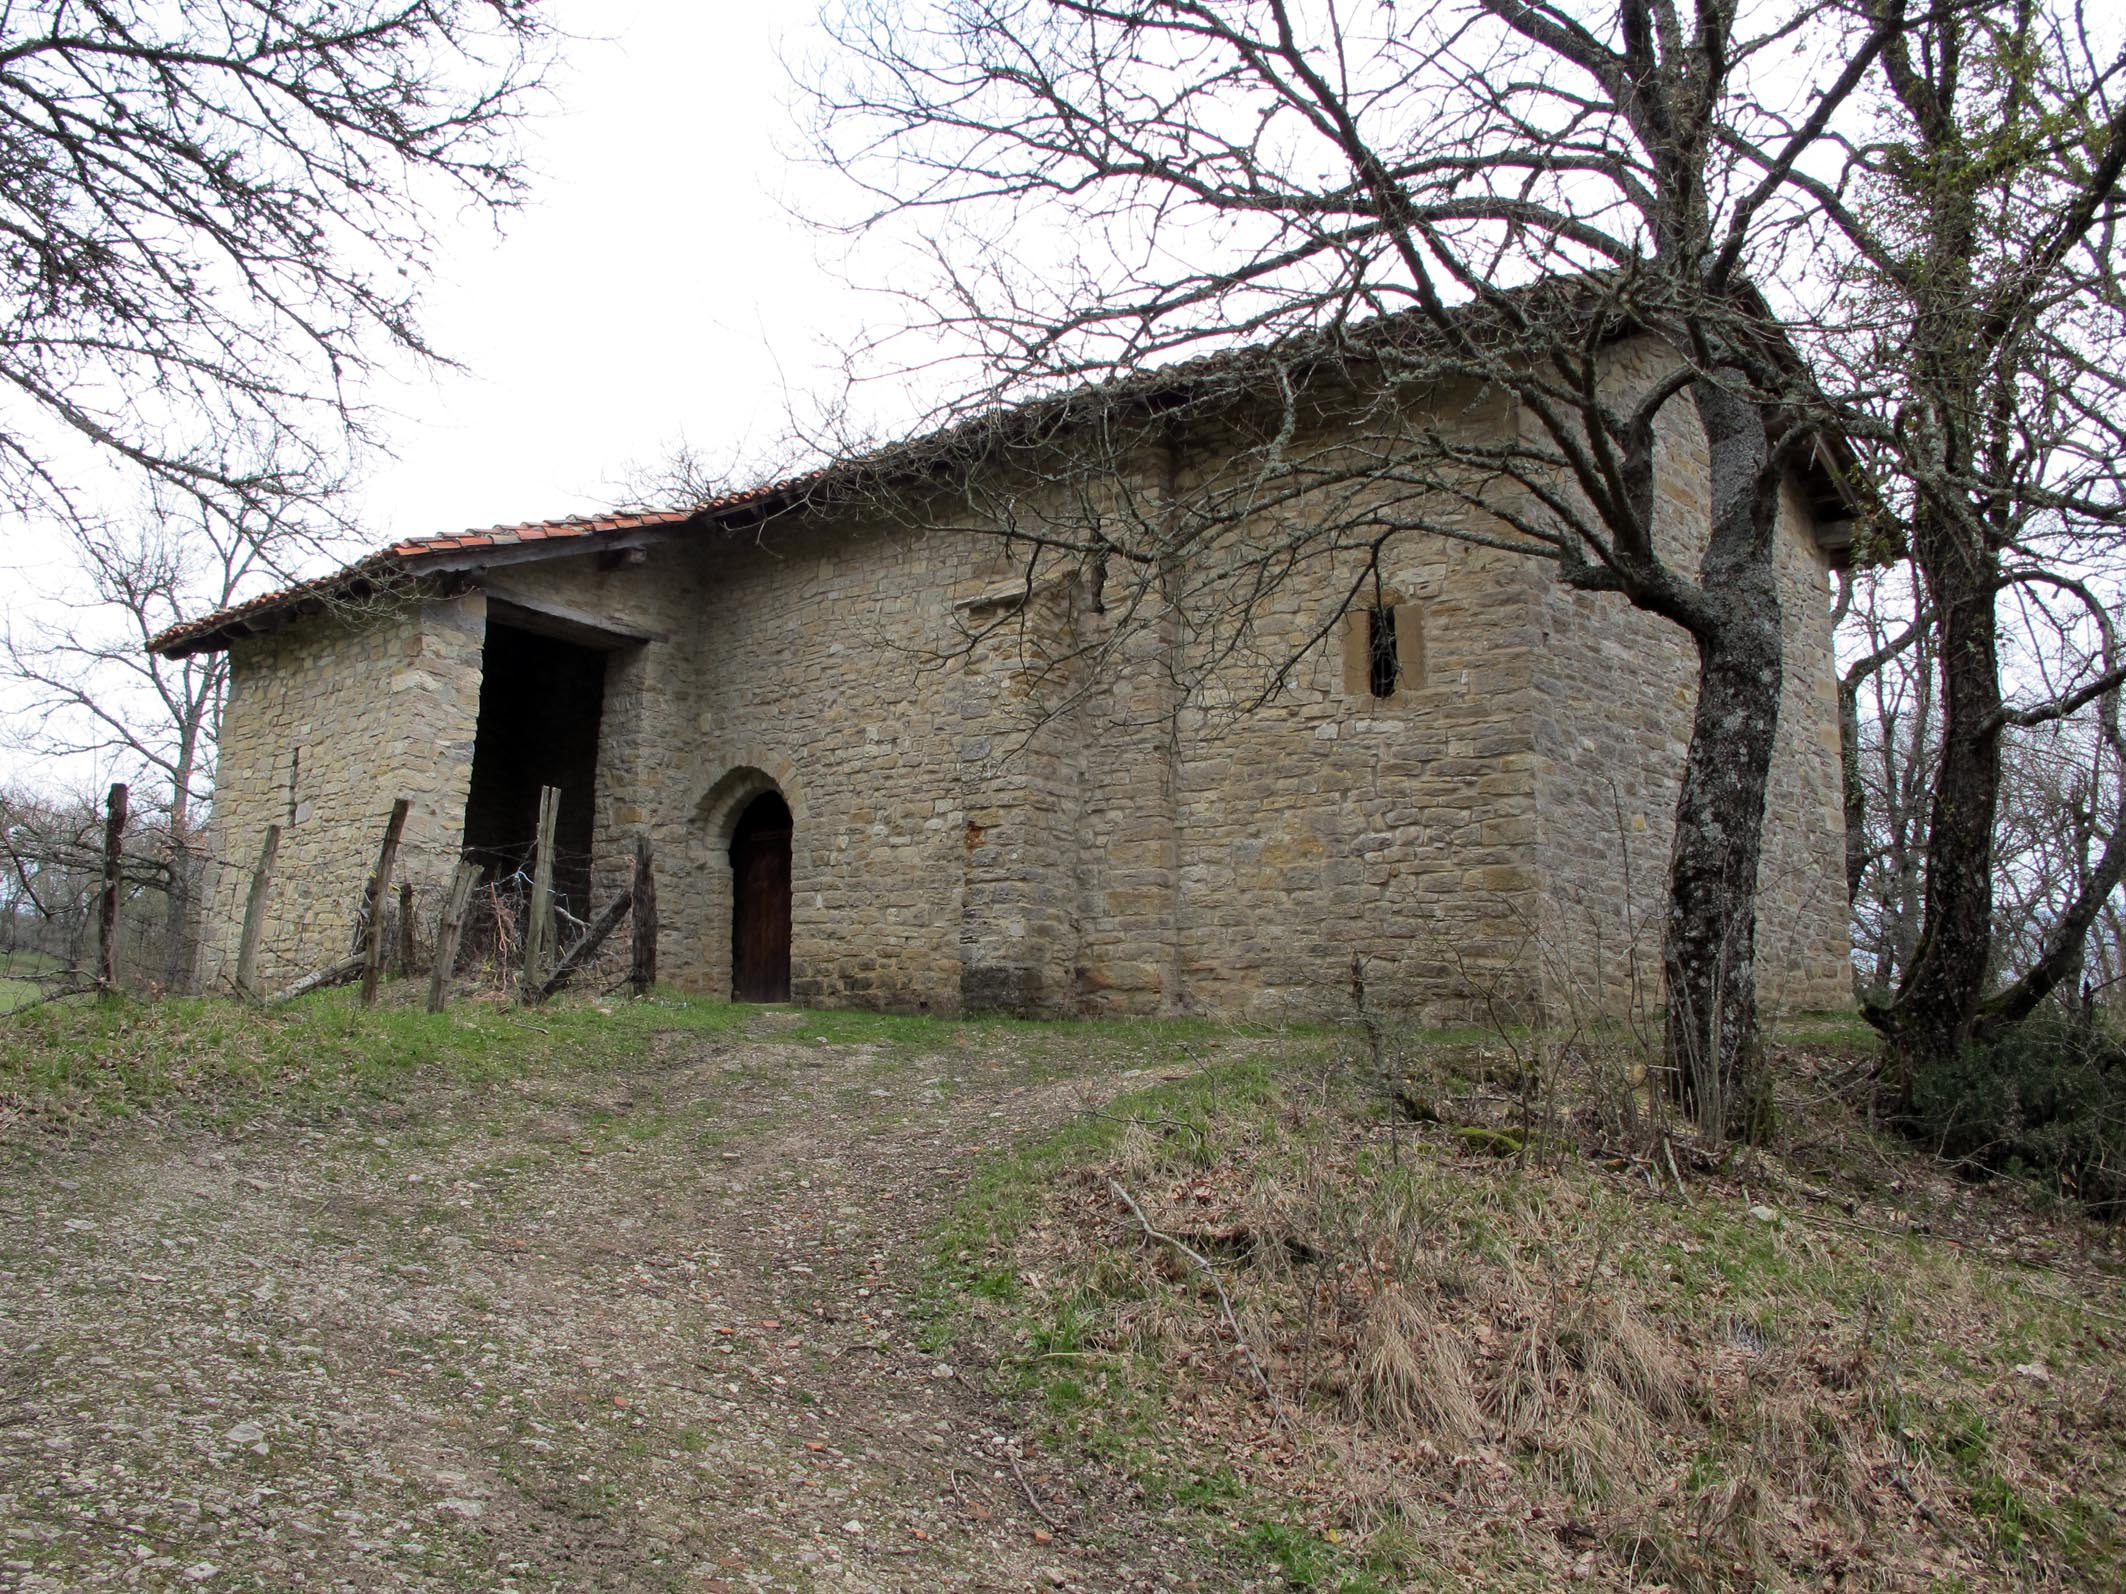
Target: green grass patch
1832	1032
1098	1399
118	1056
24	977
971	1252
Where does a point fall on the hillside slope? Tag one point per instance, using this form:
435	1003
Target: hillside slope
1515	1335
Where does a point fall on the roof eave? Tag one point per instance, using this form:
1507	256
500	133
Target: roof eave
409	563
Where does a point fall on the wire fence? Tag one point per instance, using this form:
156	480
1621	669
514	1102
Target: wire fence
115	901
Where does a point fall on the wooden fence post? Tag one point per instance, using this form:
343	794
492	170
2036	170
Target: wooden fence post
114	819
448	929
374	900
587	944
255	916
642	963
540	923
406	937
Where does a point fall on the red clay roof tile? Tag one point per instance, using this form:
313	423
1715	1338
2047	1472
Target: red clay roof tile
407	555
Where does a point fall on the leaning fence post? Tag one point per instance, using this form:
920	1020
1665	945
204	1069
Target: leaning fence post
642	963
107	904
374	899
541	921
448	929
406	936
587	944
255	916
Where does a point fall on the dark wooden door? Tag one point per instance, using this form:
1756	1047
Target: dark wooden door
760	902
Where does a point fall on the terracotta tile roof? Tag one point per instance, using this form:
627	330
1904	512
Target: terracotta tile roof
407	558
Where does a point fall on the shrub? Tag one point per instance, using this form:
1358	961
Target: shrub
2046	1100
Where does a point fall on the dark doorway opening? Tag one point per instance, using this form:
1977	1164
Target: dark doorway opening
760	901
540	701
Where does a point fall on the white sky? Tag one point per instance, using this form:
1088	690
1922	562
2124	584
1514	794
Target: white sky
653	287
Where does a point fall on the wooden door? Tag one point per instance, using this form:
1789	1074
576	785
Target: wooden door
760	902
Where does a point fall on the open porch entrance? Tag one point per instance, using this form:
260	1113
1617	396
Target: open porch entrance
542	700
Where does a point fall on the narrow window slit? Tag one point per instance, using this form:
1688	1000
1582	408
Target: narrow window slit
1383	664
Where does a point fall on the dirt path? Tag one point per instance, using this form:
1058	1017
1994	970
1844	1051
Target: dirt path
637	1331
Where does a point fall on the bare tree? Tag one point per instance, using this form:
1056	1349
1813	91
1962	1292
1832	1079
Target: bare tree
1889	732
93	693
51	880
213	214
1108	185
1982	335
2059	781
48	862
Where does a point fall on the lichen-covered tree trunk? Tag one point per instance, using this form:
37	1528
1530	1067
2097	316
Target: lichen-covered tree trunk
1709	950
1932	1017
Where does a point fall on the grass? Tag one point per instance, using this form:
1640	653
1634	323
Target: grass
1514	1371
21	977
1501	1368
91	1059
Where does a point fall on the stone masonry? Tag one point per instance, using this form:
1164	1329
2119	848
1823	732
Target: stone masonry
1005	797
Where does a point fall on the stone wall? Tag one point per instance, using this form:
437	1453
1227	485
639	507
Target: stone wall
821	663
328	722
1804	941
1327	824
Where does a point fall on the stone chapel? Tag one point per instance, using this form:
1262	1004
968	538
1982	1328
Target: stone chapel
889	756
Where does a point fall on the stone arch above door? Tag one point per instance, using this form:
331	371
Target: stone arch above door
713	822
744	779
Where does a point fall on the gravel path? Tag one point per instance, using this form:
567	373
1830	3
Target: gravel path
647	1330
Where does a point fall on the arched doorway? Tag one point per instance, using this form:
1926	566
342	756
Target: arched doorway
760	901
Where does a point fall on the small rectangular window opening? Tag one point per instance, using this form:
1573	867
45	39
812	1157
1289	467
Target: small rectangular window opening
1383	664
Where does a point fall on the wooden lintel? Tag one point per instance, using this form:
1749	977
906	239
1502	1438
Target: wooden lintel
544	617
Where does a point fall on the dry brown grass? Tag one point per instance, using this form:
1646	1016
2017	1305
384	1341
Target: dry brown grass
1589	1361
1410	1372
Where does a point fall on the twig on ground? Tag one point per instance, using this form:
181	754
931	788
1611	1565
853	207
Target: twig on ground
690	1389
1225	1301
1026	1489
1129	1119
1669	1146
1904	1487
2074	1303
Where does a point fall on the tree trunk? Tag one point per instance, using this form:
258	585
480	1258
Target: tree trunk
1709	952
115	810
1855	791
177	925
1931	1020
